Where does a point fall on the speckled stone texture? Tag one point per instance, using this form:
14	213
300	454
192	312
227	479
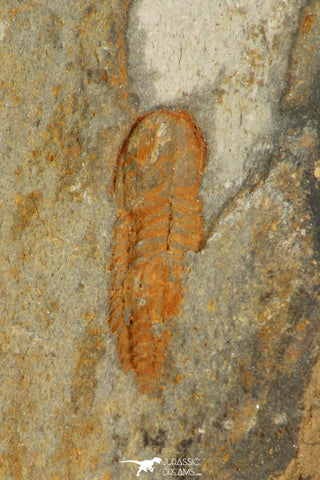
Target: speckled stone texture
241	391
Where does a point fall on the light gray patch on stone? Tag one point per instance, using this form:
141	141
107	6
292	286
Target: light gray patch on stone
182	55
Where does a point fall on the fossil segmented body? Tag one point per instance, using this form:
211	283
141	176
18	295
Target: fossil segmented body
156	184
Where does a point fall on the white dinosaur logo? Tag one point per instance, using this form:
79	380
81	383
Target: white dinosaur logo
145	465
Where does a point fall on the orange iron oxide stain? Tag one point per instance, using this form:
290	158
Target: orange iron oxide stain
155	185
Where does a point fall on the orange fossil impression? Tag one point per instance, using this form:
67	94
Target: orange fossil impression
156	184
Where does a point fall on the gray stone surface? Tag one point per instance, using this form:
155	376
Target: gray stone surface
227	63
74	77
